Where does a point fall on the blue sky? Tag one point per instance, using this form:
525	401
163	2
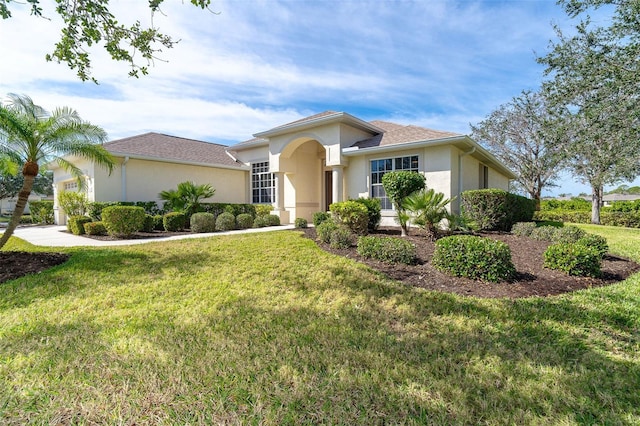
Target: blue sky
254	65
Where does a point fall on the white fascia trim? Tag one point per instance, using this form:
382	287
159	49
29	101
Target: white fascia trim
341	117
242	145
241	167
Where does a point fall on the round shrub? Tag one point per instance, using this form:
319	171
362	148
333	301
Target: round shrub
387	249
319	217
263	209
174	221
373	210
352	214
596	242
261	221
225	222
574	259
301	222
523	229
244	221
203	222
543	233
341	238
95	228
274	220
158	223
75	224
149	223
474	257
324	230
568	234
123	221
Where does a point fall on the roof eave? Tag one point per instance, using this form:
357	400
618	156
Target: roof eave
240	166
338	117
245	145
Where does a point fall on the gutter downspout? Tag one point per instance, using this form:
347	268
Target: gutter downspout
460	186
123	170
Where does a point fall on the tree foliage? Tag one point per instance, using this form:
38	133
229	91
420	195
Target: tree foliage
187	197
595	82
519	134
428	209
399	185
91	22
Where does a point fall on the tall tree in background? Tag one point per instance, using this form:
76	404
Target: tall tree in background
518	133
31	136
90	22
595	78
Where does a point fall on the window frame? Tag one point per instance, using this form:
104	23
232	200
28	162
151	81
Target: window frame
263	189
375	181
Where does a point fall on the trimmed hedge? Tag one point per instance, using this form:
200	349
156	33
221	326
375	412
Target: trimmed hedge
387	249
341	238
244	221
41	212
324	230
123	221
273	220
263	209
75	224
523	229
95	228
319	217
202	222
235	209
629	219
94	209
373	210
596	242
301	222
352	214
568	234
225	222
496	209
261	221
474	257
544	233
149	223
174	221
574	259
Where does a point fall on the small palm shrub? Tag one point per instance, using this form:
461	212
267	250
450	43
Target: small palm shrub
324	230
225	222
523	229
596	242
123	221
261	221
341	238
75	224
574	259
300	222
95	228
567	234
387	249
319	217
244	221
203	222
273	220
474	257
373	211
543	233
174	221
352	214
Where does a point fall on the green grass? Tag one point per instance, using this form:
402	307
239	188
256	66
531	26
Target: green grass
269	329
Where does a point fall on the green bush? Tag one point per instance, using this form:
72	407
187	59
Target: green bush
273	220
474	257
95	228
261	221
123	221
544	233
203	222
301	222
319	217
244	221
341	238
596	242
41	212
26	218
567	234
149	223
575	204
72	203
352	214
263	209
225	222
373	211
324	230
75	224
158	222
94	208
496	208
399	185
630	219
574	259
523	229
387	249
174	221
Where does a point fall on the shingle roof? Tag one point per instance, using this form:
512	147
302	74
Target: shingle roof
398	134
310	118
165	147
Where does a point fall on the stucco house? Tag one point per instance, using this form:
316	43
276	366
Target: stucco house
299	168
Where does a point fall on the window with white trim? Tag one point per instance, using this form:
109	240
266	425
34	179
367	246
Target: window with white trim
262	184
380	167
71	186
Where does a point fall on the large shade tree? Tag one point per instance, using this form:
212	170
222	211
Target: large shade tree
30	136
93	22
595	79
519	134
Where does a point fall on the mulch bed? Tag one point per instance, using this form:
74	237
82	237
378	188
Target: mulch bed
532	278
16	264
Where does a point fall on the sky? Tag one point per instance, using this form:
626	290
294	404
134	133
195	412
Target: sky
245	66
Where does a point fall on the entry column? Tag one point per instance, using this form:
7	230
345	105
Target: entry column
337	180
279	198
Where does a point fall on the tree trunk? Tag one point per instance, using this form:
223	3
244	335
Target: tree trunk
23	197
596	199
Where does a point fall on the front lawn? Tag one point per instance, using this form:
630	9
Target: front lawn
268	328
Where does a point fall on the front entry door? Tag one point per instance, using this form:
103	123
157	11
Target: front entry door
328	189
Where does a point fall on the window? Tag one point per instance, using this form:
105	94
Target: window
71	186
380	167
262	184
483	177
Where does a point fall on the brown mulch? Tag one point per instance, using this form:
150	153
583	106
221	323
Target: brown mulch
532	278
15	264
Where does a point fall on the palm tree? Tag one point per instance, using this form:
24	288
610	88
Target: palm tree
187	197
31	136
428	209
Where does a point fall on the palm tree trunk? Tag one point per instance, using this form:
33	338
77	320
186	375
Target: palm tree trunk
23	197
